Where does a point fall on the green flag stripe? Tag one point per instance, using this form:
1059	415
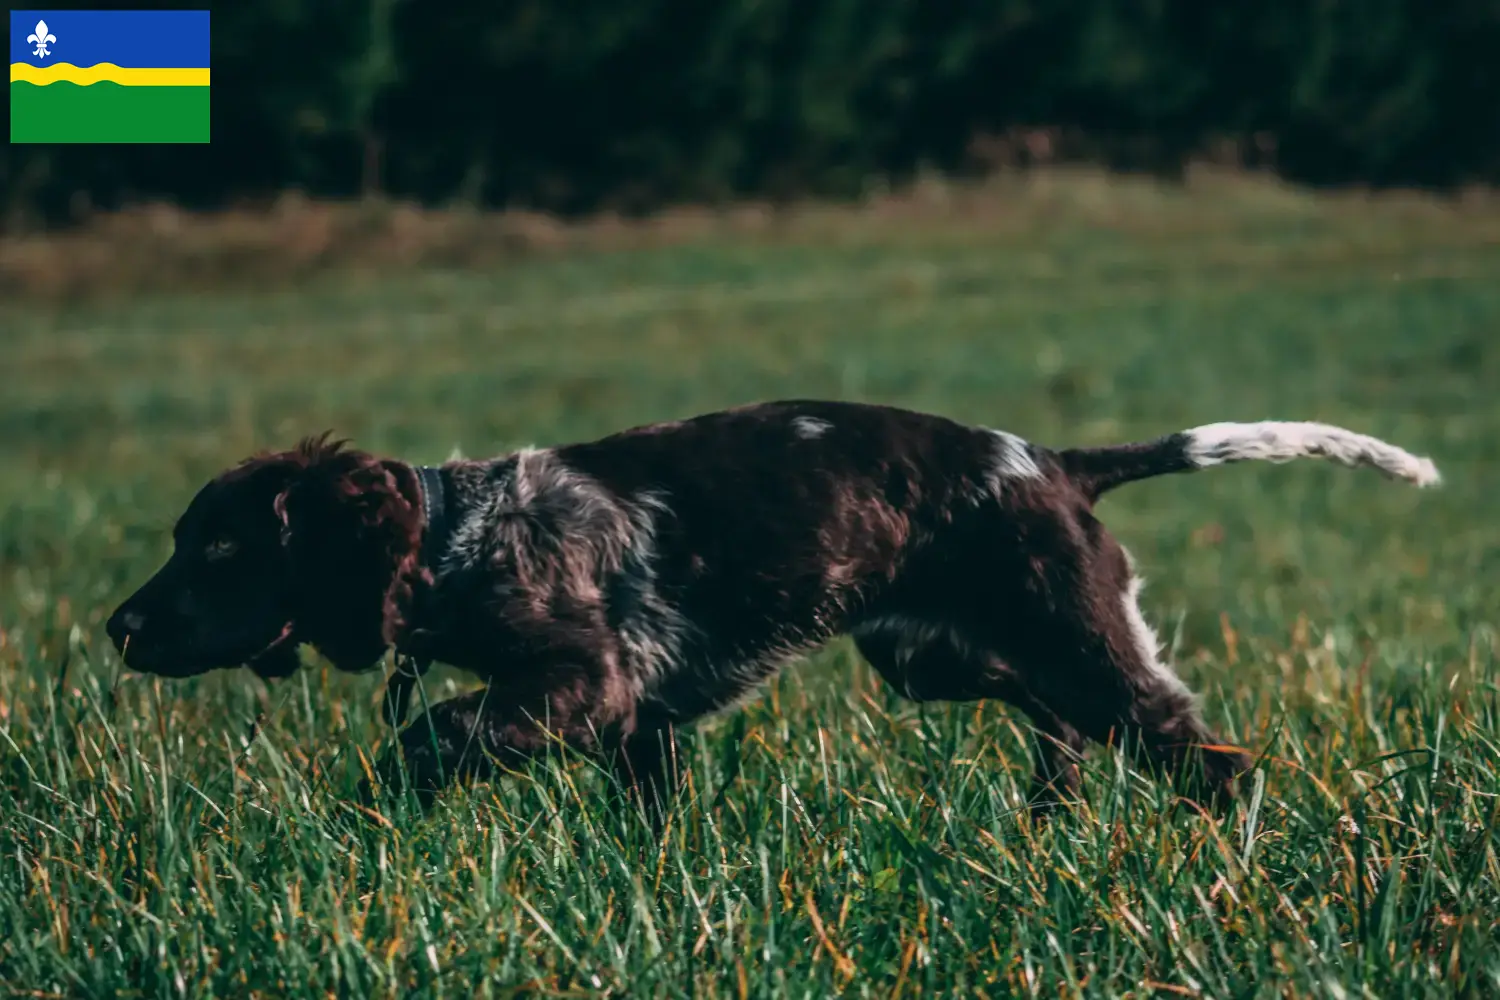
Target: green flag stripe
107	112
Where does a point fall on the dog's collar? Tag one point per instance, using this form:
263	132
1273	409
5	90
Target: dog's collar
435	514
437	526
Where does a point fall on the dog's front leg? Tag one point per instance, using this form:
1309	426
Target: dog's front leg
649	768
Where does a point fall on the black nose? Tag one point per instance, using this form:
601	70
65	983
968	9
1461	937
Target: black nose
124	624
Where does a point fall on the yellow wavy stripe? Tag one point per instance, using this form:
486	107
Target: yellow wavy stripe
107	72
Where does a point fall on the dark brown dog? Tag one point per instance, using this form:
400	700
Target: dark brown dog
613	591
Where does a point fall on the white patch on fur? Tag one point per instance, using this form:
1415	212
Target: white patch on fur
810	428
1283	441
1012	461
1144	636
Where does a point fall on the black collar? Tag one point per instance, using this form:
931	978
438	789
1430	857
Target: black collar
436	516
436	528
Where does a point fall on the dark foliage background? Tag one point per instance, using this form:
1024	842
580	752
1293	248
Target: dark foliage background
631	103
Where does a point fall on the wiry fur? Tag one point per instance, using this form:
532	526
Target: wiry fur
1279	441
614	590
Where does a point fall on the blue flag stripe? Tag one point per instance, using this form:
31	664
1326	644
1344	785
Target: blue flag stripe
137	39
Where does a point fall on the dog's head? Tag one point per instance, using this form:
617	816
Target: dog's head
318	545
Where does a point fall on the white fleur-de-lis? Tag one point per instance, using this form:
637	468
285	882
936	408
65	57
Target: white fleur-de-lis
41	38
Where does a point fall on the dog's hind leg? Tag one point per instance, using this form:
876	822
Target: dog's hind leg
926	665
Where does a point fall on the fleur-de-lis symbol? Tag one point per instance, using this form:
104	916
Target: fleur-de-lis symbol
41	38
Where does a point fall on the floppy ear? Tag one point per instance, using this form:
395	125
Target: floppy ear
352	525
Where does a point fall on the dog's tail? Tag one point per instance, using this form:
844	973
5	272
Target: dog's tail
1098	470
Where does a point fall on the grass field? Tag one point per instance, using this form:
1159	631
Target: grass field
192	838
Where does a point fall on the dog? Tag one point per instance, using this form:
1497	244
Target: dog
612	592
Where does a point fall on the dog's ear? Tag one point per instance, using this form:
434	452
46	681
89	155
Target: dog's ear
352	527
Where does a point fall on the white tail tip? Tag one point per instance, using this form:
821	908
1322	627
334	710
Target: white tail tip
1283	441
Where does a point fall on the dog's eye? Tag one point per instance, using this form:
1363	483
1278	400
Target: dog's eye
221	548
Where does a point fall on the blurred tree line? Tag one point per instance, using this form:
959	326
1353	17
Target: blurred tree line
571	105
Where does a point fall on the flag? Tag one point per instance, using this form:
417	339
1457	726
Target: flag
109	76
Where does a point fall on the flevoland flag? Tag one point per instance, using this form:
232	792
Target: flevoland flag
109	75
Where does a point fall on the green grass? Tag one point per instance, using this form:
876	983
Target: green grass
192	838
107	112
